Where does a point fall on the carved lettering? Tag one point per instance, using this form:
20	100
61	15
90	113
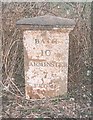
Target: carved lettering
36	41
46	64
53	41
46	53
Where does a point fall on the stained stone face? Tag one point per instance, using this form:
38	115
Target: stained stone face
46	62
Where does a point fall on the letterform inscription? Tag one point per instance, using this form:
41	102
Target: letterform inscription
47	57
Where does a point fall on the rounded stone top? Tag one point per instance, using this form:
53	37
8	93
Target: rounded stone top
47	20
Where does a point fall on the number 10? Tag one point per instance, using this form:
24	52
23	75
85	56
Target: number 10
46	53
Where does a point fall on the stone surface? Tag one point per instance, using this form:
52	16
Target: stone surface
46	62
47	20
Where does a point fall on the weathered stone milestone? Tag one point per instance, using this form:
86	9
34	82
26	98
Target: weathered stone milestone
46	53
